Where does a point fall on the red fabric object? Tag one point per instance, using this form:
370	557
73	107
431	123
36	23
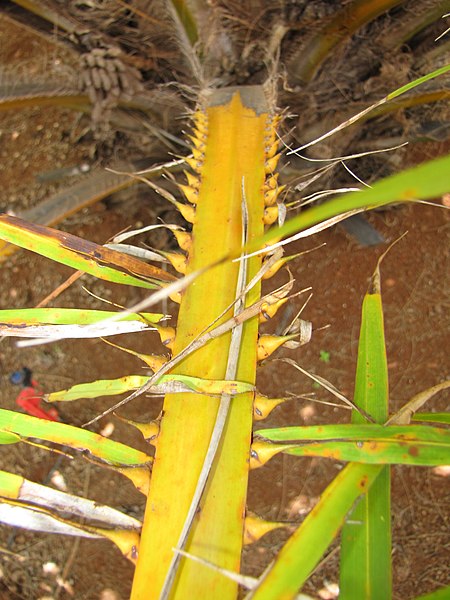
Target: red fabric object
29	400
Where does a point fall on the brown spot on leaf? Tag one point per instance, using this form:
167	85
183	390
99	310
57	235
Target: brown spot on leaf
409	194
363	483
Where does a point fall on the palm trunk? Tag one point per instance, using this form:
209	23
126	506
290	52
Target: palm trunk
235	138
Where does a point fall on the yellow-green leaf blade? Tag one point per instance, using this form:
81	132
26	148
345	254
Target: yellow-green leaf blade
81	254
104	449
293	565
166	384
8	438
100	387
428	180
366	570
412	452
69	316
371	444
71	323
440	594
433	417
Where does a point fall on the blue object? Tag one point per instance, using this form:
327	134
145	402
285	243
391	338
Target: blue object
21	377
